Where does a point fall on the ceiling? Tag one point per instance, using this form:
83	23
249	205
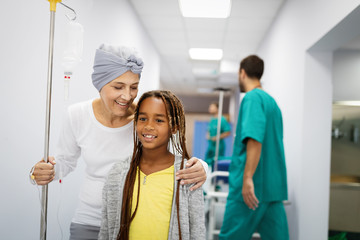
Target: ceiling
173	35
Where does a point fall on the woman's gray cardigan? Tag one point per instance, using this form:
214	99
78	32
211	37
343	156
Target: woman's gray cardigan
192	219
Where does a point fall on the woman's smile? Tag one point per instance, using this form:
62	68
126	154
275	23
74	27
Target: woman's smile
122	104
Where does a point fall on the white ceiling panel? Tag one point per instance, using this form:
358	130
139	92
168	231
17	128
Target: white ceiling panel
168	36
260	8
166	8
241	39
205	64
236	57
205	40
173	49
248	24
157	23
205	24
238	36
239	47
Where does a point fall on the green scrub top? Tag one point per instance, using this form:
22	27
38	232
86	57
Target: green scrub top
212	129
260	119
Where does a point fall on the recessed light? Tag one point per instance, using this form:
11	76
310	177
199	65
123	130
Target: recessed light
205	8
205	53
348	103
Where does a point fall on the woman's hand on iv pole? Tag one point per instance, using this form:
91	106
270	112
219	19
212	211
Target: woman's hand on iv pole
44	172
194	172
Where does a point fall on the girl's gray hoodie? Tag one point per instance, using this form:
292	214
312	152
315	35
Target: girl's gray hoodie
191	203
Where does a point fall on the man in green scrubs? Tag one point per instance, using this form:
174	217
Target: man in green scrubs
257	181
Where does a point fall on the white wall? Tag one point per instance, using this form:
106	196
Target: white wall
346	75
301	83
23	61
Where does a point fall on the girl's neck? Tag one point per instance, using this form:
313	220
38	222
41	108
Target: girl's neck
154	160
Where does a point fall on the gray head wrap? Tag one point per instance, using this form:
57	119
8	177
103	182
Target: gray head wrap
111	62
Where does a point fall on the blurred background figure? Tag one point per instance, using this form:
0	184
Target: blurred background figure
211	135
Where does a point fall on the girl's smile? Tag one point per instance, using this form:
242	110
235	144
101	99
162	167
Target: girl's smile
148	137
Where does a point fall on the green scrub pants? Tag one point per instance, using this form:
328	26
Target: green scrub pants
240	222
210	152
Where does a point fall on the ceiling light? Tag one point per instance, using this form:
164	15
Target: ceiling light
205	8
348	103
206	53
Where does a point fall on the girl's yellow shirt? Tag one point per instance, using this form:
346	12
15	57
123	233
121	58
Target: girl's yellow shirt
152	218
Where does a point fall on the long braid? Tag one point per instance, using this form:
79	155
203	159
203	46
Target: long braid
172	116
126	217
176	117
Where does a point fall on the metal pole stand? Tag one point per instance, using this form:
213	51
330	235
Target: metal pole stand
44	196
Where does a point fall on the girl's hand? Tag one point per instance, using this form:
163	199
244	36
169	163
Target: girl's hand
44	172
193	173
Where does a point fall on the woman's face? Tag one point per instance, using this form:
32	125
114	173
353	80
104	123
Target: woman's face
118	95
213	109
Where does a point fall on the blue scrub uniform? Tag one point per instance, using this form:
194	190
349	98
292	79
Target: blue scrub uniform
212	129
260	119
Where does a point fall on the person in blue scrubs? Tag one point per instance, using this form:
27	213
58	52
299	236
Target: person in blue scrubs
257	180
212	132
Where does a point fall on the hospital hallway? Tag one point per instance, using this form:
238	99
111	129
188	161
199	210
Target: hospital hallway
193	48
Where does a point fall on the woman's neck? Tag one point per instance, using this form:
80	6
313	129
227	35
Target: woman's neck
154	160
108	119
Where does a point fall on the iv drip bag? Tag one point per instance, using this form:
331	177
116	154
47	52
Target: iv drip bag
72	53
73	47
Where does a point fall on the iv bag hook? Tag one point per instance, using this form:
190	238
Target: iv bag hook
71	19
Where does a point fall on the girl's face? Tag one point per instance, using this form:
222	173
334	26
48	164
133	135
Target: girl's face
118	94
152	126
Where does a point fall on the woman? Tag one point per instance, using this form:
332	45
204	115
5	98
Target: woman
212	132
101	132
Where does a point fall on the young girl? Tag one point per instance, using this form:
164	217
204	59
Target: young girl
142	197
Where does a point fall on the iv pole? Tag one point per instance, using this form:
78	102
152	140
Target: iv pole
44	196
221	100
